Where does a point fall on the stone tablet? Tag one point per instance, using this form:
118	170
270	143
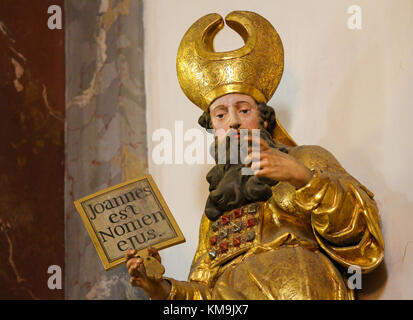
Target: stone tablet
130	215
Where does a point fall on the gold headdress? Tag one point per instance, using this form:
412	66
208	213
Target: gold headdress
255	69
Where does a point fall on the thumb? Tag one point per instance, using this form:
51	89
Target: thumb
154	253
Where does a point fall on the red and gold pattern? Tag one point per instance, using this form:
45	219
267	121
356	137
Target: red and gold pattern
233	233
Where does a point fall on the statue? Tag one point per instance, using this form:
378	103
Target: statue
292	229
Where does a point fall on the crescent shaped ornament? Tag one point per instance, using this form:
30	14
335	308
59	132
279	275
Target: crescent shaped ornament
254	69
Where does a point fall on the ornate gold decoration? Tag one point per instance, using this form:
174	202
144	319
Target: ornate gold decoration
285	261
255	69
281	135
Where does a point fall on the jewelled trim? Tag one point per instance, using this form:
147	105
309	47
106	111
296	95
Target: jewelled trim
233	232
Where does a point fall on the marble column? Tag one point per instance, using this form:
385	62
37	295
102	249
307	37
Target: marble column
106	128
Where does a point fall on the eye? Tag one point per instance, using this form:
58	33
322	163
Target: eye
220	115
245	111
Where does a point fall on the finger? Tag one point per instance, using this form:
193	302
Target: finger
262	173
134	272
258	165
142	270
154	253
136	269
256	148
135	281
131	262
254	156
130	254
257	142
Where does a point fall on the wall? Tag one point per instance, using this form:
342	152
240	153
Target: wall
346	90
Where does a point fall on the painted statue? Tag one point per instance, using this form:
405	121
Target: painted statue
293	228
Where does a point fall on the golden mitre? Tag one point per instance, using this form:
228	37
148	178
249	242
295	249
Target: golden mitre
255	69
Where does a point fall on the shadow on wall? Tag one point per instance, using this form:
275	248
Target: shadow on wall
284	107
354	121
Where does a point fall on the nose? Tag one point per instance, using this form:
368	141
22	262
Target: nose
234	121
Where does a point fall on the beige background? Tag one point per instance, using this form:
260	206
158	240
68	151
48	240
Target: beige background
349	91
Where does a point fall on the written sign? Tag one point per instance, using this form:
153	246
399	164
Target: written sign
131	215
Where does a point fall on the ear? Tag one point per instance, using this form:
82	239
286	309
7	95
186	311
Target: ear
265	124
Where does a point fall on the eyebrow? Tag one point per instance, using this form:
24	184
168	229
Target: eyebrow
241	102
221	106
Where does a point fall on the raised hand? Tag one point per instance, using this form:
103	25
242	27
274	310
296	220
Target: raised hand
274	164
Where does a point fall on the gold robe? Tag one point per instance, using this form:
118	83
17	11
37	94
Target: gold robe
290	247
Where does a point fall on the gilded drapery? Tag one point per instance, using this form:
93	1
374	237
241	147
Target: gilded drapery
300	238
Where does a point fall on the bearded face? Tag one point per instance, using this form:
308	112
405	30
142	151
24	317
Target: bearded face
229	186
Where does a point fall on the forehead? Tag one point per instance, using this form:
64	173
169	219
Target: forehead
231	99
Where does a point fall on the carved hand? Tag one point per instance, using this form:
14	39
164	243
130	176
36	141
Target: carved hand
277	165
148	276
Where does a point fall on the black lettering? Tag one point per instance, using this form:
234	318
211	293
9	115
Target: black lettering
139	192
139	239
132	196
127	226
132	208
146	217
131	242
123	214
119	228
116	201
101	206
124	199
139	223
93	211
160	213
151	234
122	243
142	238
113	215
108	205
103	234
